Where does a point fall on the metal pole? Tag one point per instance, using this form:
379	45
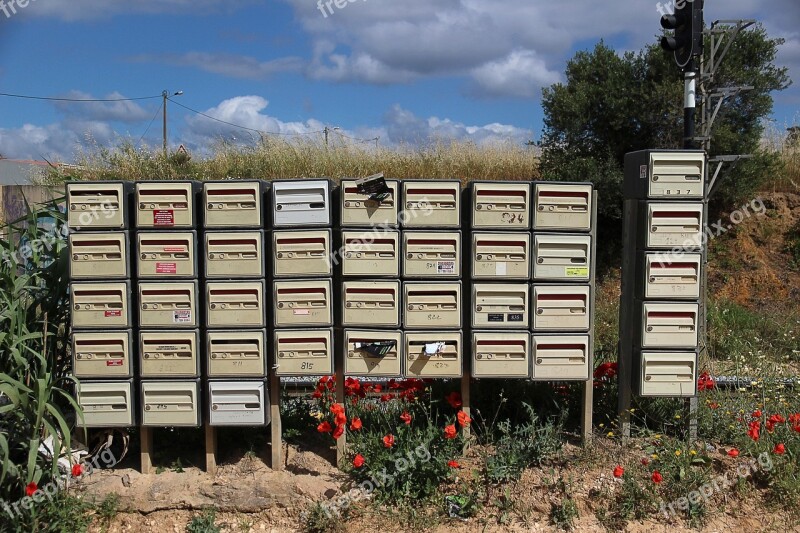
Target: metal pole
689	104
164	95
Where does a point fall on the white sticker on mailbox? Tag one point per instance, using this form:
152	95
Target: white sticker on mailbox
432	348
500	268
445	267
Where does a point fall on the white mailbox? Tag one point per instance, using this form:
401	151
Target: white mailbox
304	352
371	303
106	404
500	305
562	257
169	354
100	305
236	353
665	174
97	205
165	204
233	304
301	253
668	374
561	357
433	354
359	209
431	204
672	275
101	355
561	308
237	403
431	254
229	204
432	305
501	354
234	254
370	254
561	206
674	225
669	325
373	353
501	205
166	255
99	255
170	403
302	303
301	203
170	304
501	255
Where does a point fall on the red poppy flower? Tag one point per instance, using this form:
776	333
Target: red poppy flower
393	385
324	379
618	471
325	427
317	395
388	441
733	452
756	414
780	449
453	464
406	418
338	432
657	477
454	399
356	424
645	461
378	388
794	419
796	428
450	431
358	461
714	405
387	397
340	419
463	419
337	408
754	431
606	370
31	488
705	382
77	470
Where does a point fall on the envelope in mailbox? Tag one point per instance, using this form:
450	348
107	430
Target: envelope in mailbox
376	348
374	186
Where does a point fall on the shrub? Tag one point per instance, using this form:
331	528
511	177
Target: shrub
205	522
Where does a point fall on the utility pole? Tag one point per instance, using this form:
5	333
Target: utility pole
165	95
327	130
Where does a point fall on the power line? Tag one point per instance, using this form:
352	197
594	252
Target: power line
357	139
151	123
54	99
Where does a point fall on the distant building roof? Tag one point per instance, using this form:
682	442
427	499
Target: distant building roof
22	172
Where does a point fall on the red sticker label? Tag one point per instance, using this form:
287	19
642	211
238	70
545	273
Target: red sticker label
166	268
114	362
163	217
113	312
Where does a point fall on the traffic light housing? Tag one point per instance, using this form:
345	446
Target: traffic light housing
687	22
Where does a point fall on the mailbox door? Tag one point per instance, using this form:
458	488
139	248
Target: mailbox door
668	374
561	357
562	257
431	255
359	210
301	253
232	204
237	403
501	205
302	303
96	205
676	175
431	204
370	353
106	404
301	203
432	305
305	352
99	255
562	207
561	307
500	305
501	354
672	276
101	355
371	254
166	255
236	353
170	354
434	354
234	254
674	225
235	304
164	204
170	403
501	255
371	303
168	304
669	325
100	305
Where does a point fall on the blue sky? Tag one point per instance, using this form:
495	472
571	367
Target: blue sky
403	71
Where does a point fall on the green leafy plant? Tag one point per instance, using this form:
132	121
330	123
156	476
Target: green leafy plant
318	518
107	509
564	514
205	522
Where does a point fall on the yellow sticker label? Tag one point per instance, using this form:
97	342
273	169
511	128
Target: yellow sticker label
577	272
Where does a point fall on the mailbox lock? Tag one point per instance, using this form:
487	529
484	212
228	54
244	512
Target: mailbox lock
144	256
348	304
146	407
648	378
541	208
214	407
654	229
479	356
540	260
479	308
279	255
348	255
488	356
479	207
649	328
539	361
409	205
489	257
152	206
147	356
279	207
490	207
655	178
280	305
75	257
77	306
211	206
652	279
211	256
79	356
420	256
411	256
223	306
539	311
410	307
213	306
213	356
290	255
480	257
144	306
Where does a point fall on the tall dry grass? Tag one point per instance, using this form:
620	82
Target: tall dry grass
786	144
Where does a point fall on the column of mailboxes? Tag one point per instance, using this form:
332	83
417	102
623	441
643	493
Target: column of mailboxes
668	188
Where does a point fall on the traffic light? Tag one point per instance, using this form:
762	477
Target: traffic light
687	21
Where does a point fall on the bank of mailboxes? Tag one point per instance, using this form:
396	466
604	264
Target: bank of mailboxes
562	257
235	304
432	254
234	254
165	204
371	303
432	305
501	354
305	253
358	208
562	207
500	205
670	276
165	354
370	254
106	404
236	353
561	357
303	352
102	354
99	255
170	403
238	403
665	174
669	325
666	373
501	255
168	304
500	305
373	353
100	305
672	225
431	204
302	303
300	203
229	204
433	354
166	255
561	307
97	205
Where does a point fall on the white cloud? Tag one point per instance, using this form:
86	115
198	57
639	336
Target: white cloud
96	9
520	74
119	111
243	67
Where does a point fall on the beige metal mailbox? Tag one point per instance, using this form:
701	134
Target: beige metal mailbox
232	204
367	254
561	307
164	204
433	354
559	206
100	305
169	354
501	205
674	225
500	305
668	374
106	404
306	352
669	325
501	354
236	353
170	304
358	210
384	359
235	304
561	357
99	255
501	255
101	354
234	254
302	303
676	174
431	254
371	303
301	253
170	403
431	204
671	275
562	257
96	205
432	305
166	255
